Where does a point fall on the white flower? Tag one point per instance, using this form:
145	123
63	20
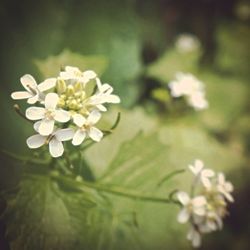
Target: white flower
225	187
194	206
187	43
204	174
74	73
33	91
189	86
54	140
103	95
194	236
48	115
86	127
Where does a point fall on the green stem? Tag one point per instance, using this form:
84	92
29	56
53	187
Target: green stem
112	190
170	175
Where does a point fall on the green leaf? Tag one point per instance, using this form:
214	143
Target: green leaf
46	214
51	66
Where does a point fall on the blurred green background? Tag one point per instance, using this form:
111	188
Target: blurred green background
131	44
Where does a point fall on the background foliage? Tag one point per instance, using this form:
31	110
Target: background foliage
131	45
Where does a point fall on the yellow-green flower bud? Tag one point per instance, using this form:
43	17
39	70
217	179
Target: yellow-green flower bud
78	87
70	90
60	86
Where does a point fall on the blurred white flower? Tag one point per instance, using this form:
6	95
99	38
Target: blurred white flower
207	206
225	187
54	140
191	207
33	90
48	115
86	128
187	43
203	174
74	73
189	86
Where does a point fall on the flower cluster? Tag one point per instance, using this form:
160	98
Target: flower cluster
191	88
205	208
68	108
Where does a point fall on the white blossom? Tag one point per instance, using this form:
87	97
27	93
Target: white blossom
33	91
203	174
86	127
54	140
191	88
48	115
74	73
194	206
225	187
103	95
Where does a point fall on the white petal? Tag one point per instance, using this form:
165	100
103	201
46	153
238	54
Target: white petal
46	127
95	134
47	84
112	99
21	95
71	69
208	172
88	75
36	141
228	196
62	116
197	167
28	80
35	113
198	164
229	186
183	197
94	117
33	99
221	178
200	211
183	216
79	120
65	134
101	107
79	137
106	88
51	100
199	201
36	126
196	239
206	182
99	84
55	148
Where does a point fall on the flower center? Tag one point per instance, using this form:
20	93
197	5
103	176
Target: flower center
49	114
